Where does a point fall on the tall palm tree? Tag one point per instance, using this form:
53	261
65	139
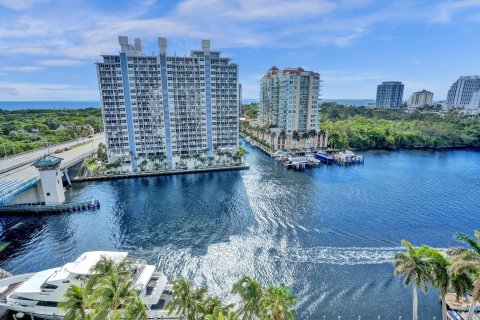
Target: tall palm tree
414	266
283	136
77	303
461	284
108	295
219	314
113	294
250	291
305	136
273	135
467	260
186	300
293	139
277	303
135	310
439	265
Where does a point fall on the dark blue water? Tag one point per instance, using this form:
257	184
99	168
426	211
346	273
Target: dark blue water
19	105
329	232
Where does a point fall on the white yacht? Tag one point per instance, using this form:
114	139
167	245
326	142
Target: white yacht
40	293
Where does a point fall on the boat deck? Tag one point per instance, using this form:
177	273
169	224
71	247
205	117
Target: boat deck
461	304
10	289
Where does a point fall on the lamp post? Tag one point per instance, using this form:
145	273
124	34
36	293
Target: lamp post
4	150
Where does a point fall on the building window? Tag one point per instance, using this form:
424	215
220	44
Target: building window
48	194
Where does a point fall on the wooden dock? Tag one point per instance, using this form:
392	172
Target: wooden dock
48	209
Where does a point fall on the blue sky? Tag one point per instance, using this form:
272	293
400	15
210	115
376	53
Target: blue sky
48	47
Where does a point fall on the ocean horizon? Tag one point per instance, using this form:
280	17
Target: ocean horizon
24	105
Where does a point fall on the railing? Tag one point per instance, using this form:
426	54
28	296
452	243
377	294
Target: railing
15	189
75	160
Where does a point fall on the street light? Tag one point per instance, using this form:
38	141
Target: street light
4	150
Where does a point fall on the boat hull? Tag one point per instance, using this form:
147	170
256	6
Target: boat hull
324	159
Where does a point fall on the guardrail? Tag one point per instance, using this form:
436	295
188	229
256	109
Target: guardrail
75	160
10	192
74	141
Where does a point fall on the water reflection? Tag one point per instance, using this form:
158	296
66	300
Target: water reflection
329	232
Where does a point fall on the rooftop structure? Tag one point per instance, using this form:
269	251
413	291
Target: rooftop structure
47	162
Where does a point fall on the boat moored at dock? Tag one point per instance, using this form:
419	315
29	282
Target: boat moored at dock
40	294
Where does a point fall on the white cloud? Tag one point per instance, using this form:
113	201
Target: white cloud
60	62
24	69
20	4
45	91
345	75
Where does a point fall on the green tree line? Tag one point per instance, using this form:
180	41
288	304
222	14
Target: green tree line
371	128
250	110
25	130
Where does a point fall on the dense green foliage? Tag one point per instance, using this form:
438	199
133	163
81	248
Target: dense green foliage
257	302
370	128
250	110
25	130
456	270
108	294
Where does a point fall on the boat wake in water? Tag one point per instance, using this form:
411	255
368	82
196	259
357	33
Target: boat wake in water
343	256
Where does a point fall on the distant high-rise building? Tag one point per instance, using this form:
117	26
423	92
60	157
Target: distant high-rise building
289	99
420	99
389	94
464	92
156	105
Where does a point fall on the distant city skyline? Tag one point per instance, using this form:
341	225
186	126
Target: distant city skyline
49	47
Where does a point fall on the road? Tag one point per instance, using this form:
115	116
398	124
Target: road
20	167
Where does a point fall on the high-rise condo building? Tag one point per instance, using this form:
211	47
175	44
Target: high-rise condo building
420	99
170	106
289	99
289	109
463	93
389	94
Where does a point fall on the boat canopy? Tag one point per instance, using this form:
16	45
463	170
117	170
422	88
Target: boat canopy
34	284
86	261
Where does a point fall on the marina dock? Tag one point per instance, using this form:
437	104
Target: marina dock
47	209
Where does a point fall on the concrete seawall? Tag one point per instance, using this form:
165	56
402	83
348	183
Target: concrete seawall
159	173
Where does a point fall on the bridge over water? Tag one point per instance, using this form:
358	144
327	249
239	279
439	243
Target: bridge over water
17	174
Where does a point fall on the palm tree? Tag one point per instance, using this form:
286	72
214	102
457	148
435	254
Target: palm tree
109	294
186	300
283	136
113	294
312	134
77	303
250	292
467	260
277	303
219	314
439	265
135	310
461	284
414	266
305	137
273	135
295	135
